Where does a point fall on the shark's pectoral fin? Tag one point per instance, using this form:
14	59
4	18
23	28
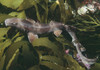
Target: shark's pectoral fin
57	32
32	37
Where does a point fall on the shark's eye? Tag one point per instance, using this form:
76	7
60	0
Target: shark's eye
14	23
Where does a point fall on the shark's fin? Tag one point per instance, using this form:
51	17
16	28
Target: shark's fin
32	36
30	20
57	32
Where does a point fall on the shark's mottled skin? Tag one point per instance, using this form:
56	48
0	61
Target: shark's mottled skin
34	28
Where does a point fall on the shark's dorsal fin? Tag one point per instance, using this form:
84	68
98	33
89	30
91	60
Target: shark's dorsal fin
30	20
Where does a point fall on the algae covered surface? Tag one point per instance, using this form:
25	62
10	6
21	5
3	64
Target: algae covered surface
48	52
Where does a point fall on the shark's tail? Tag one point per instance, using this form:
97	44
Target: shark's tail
84	60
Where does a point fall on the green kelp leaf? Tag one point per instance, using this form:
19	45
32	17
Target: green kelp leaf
72	63
43	3
43	9
62	9
66	12
46	1
3	17
29	56
26	58
3	46
36	67
18	14
2	38
3	31
96	66
11	50
26	4
52	59
13	59
14	4
44	17
46	43
64	41
53	6
2	61
37	11
53	66
19	38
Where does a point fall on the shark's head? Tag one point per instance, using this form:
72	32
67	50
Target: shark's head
21	24
14	22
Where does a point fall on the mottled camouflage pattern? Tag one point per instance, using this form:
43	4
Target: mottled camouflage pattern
34	28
